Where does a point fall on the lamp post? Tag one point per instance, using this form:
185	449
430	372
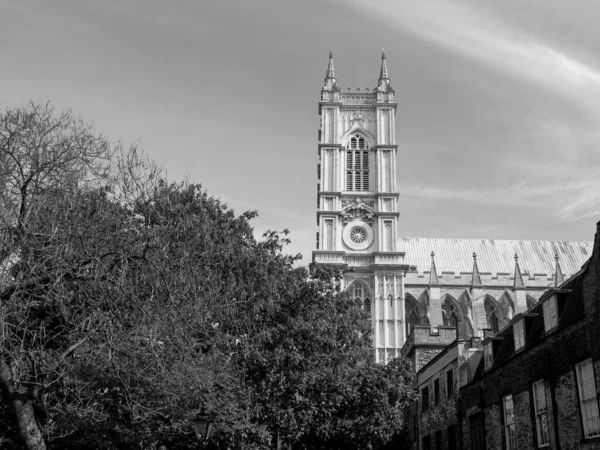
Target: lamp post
203	424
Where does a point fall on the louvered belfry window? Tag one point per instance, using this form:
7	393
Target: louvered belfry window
357	164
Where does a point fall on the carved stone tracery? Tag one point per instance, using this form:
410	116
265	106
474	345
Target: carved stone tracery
358	209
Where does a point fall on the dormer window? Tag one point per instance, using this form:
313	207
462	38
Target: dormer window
519	334
550	313
488	355
357	164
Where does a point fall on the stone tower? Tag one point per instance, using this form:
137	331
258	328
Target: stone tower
357	197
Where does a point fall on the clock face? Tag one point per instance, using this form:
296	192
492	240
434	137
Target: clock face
357	235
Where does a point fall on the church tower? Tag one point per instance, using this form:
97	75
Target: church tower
357	200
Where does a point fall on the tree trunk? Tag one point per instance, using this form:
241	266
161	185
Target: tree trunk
21	405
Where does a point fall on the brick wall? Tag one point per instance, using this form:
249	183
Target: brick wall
552	357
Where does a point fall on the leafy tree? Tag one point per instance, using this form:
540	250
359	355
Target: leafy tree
127	303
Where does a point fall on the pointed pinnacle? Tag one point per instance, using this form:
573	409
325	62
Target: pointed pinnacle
476	279
383	73
518	282
558	276
330	69
433	278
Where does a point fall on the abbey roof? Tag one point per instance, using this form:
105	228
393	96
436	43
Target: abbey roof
495	256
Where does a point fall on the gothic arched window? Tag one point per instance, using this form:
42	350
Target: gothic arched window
450	313
412	315
357	164
358	291
492	316
530	302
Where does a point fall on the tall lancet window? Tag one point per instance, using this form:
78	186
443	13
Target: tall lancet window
491	313
449	313
357	164
413	316
358	291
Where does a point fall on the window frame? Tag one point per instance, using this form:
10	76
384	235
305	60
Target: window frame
358	172
519	334
590	400
450	383
424	398
436	392
438	440
367	305
510	427
549	307
541	413
426	442
488	355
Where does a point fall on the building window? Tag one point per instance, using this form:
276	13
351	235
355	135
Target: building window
357	164
476	425
491	313
452	437
450	383
426	442
388	236
488	355
588	402
541	413
412	316
436	392
415	426
449	313
358	290
519	334
329	238
550	313
509	423
438	440
425	399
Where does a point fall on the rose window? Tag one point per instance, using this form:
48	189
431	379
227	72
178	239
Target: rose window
358	235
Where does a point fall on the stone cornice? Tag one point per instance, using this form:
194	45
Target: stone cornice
382	214
321	146
384	147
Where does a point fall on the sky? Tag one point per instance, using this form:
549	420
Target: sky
498	121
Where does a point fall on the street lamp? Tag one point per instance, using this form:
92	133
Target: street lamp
203	424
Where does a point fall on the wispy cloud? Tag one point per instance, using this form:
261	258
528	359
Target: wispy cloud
476	33
565	200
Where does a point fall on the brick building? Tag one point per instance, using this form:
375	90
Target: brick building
534	384
444	363
537	384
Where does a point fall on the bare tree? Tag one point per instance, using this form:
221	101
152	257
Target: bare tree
41	152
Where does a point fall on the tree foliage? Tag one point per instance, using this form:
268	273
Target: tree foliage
127	303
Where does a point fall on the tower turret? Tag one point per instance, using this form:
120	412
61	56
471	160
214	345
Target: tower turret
383	83
330	69
357	198
330	89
